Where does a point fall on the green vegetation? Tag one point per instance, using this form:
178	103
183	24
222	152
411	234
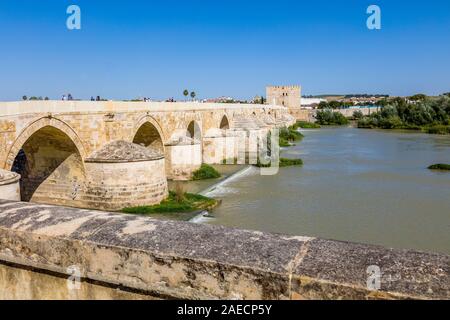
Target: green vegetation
329	117
357	115
324	105
305	125
188	202
437	129
205	172
288	136
440	166
431	115
284	162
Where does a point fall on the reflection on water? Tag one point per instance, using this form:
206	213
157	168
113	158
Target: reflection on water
356	185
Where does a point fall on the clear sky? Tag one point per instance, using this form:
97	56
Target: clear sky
132	48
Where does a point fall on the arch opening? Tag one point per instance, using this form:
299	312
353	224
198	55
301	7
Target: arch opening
194	131
224	123
149	136
50	166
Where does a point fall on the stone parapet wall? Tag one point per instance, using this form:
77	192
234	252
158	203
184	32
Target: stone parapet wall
152	258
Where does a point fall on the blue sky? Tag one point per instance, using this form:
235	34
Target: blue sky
133	48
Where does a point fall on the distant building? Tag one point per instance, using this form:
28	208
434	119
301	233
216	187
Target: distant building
311	103
219	100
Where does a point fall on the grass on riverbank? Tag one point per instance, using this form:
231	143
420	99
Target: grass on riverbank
440	166
205	172
288	136
437	129
188	202
305	125
284	162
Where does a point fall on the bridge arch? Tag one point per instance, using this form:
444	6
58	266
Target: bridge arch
224	123
194	130
149	133
49	157
35	126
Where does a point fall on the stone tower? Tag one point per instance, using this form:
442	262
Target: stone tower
288	96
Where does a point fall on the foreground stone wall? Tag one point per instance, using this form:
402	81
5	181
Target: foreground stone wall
123	256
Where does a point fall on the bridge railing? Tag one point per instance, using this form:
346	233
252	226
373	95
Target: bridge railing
65	253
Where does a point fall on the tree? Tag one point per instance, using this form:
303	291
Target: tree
358	115
328	117
24	98
193	94
46	98
418	97
186	93
324	105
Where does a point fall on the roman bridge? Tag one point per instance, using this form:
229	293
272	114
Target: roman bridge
110	154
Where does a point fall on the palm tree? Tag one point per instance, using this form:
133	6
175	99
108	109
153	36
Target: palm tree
186	93
193	95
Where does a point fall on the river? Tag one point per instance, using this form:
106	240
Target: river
368	186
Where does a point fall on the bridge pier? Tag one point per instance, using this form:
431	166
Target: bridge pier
123	174
183	157
9	185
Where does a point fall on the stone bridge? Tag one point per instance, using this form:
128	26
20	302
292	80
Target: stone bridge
107	155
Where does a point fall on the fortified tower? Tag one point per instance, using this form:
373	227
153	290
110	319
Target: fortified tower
287	96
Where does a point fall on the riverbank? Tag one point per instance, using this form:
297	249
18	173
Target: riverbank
195	202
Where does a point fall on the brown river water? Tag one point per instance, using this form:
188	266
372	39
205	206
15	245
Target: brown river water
368	186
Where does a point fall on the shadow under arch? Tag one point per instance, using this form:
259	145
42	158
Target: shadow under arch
194	131
149	134
50	164
224	123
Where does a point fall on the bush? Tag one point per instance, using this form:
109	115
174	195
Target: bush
440	166
357	115
205	172
328	117
287	136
